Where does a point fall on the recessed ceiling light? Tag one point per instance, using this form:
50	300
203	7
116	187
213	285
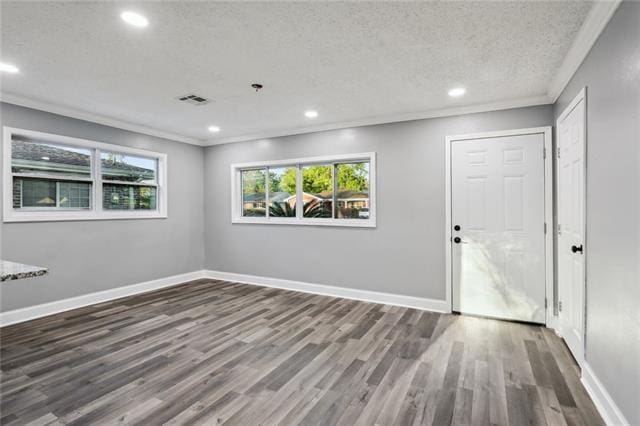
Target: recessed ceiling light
214	129
8	68
45	158
311	114
134	19
458	91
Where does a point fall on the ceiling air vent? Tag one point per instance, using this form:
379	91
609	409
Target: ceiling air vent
194	99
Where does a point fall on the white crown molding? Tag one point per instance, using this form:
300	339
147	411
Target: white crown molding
38	311
393	118
94	118
341	292
593	25
606	406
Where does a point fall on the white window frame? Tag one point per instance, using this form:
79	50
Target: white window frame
95	212
298	163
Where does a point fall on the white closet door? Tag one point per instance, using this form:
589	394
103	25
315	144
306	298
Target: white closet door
571	214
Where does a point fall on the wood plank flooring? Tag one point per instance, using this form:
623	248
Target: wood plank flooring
213	352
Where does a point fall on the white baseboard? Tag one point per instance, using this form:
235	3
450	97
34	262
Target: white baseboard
38	311
343	292
33	312
607	408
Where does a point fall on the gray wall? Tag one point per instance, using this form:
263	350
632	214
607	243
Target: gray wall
611	73
89	256
403	255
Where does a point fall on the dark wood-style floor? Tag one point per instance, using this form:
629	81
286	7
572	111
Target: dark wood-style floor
211	352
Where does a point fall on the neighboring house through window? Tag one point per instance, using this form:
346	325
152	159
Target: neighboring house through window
333	190
51	177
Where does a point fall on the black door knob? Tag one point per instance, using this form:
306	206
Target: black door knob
457	240
456	228
576	249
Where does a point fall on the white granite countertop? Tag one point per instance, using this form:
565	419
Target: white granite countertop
17	271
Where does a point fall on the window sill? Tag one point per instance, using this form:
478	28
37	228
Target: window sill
352	223
78	216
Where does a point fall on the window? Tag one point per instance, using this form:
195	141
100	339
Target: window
352	198
334	191
282	191
51	177
254	193
129	182
317	191
43	193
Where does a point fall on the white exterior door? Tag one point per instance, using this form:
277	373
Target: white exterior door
571	226
498	234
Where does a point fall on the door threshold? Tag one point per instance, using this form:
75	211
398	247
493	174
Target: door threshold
499	319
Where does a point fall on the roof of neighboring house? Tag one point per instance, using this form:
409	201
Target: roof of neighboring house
120	168
273	196
40	156
30	151
327	195
280	197
253	197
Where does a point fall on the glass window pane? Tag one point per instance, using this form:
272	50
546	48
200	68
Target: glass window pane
46	193
44	158
282	192
353	190
253	192
75	195
128	168
34	193
128	197
317	191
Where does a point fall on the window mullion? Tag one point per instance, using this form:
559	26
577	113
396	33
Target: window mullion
97	182
334	212
240	202
299	194
159	199
266	192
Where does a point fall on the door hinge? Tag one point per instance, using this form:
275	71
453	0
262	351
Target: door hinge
544	152
560	306
558	152
545	227
559	230
545	303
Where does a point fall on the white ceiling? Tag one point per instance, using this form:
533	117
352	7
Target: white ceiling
352	62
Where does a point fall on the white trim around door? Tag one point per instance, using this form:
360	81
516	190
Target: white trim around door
548	209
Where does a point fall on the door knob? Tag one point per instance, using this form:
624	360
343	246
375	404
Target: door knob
457	240
576	249
456	228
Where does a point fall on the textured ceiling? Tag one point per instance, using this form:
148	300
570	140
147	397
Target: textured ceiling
348	61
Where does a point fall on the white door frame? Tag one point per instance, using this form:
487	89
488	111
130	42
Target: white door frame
548	209
557	326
